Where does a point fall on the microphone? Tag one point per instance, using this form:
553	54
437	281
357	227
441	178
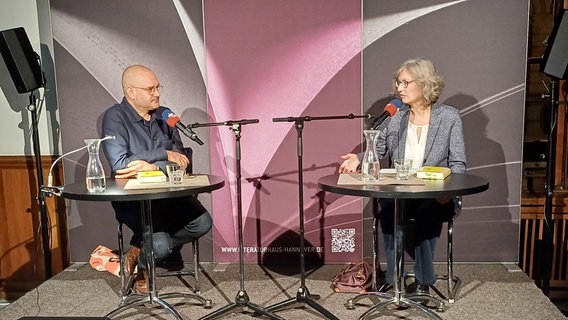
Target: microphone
173	121
390	109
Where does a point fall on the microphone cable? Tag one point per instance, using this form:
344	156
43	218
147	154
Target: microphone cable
50	177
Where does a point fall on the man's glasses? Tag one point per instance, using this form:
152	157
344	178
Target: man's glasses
151	90
404	83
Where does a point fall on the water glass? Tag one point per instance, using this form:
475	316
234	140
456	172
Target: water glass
402	167
177	177
175	173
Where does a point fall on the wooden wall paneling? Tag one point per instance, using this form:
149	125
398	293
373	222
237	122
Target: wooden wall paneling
21	250
532	235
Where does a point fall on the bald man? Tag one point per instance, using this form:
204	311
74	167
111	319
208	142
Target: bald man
144	142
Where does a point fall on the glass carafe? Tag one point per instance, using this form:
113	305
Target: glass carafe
370	165
95	175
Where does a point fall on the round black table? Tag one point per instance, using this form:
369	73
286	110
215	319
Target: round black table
115	191
454	185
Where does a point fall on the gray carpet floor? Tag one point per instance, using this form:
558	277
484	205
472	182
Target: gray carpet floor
488	291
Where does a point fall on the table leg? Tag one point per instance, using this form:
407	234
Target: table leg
398	286
398	299
152	296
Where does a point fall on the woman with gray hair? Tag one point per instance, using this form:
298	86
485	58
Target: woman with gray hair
430	134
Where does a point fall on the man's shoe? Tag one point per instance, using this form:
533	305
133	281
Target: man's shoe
131	260
141	286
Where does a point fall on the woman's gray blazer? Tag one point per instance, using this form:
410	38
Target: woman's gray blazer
445	145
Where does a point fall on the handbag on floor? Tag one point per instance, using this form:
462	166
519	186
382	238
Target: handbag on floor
104	259
357	277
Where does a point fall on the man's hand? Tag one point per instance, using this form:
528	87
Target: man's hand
133	168
350	163
178	158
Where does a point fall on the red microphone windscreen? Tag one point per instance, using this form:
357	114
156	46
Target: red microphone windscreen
391	109
172	120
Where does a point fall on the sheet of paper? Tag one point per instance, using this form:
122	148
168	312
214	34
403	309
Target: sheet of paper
188	181
384	179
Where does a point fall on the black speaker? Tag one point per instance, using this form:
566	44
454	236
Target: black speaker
21	60
555	59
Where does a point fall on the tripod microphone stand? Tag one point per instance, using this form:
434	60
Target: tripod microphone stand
242	299
303	295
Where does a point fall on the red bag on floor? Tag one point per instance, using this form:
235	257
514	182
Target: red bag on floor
104	259
355	278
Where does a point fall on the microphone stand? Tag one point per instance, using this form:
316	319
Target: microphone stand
242	299
44	220
303	295
550	166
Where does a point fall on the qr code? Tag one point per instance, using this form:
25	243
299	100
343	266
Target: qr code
342	240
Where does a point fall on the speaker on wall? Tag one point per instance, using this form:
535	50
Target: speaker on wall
555	59
21	60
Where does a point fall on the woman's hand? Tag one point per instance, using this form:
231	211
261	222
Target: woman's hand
350	163
133	168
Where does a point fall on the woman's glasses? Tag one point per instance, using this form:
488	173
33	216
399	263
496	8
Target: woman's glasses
404	83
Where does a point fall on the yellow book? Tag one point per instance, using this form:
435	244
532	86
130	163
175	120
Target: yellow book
151	176
433	173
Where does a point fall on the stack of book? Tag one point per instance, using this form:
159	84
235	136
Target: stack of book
433	173
151	176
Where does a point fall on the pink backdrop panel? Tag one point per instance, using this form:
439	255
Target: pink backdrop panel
282	59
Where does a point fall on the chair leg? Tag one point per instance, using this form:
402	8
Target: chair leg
120	253
126	283
184	272
453	281
196	292
195	245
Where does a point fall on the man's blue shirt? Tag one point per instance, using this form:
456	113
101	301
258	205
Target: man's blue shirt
137	139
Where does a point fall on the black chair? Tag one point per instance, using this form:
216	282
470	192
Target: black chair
128	282
452	281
